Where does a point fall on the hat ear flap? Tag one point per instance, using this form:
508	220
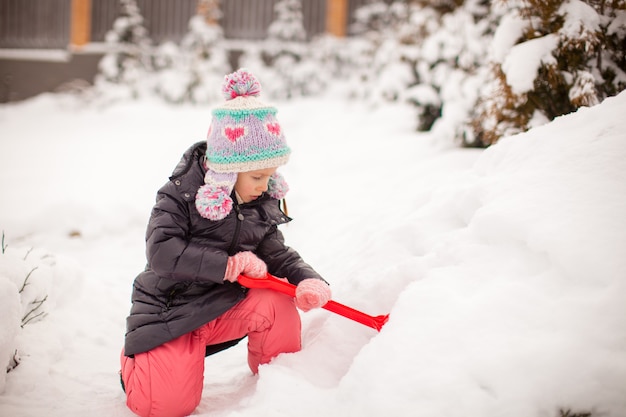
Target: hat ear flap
277	186
213	200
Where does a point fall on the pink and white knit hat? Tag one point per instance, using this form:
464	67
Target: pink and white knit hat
244	135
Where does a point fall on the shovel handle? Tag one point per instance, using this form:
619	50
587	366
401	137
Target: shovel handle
273	283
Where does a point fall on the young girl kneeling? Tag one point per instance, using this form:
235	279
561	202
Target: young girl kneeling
215	219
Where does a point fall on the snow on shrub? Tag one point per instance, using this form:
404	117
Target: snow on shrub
32	282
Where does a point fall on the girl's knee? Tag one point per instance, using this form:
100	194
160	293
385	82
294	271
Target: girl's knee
151	397
166	381
283	335
277	306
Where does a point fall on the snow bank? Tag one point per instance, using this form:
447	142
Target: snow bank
510	292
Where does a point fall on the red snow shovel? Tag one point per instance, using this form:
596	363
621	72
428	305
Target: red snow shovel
279	285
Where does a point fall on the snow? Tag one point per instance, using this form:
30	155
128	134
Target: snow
507	34
524	60
52	55
581	19
618	25
502	270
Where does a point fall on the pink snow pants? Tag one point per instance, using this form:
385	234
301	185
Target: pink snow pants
167	381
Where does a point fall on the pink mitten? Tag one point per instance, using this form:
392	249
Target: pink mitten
246	263
312	293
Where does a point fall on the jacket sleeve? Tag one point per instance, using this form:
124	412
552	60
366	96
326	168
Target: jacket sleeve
282	260
170	253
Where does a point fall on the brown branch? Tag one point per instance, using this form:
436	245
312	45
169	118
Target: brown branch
38	304
26	279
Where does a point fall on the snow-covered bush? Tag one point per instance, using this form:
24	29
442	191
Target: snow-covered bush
207	57
481	70
551	57
32	281
429	54
451	63
287	26
10	309
284	57
190	72
123	70
172	72
383	52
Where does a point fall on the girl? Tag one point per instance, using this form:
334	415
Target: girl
215	219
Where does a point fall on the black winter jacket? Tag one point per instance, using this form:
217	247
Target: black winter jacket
182	287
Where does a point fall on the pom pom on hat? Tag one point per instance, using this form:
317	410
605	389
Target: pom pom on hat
213	198
240	84
213	203
277	186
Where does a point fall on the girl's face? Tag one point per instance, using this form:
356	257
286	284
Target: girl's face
250	185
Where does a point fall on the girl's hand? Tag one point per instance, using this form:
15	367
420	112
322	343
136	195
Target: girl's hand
246	263
312	293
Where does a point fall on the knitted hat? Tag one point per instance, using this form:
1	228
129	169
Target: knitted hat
244	135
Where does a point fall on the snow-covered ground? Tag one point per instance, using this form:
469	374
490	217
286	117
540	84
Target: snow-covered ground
504	270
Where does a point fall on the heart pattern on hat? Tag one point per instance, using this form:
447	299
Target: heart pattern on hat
235	132
273	128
